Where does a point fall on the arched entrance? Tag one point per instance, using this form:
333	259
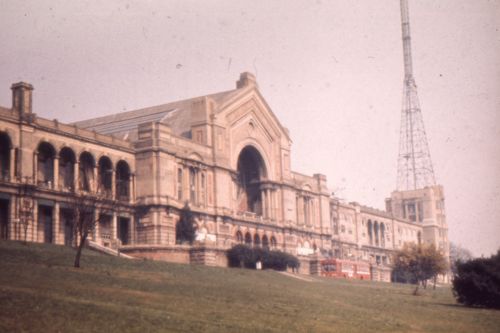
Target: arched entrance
251	172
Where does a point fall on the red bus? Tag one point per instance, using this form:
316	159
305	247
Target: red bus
345	269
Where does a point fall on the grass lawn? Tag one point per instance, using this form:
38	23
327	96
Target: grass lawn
40	291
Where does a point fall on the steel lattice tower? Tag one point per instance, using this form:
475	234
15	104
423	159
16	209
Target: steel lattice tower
414	161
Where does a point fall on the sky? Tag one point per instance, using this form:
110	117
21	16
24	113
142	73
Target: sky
331	71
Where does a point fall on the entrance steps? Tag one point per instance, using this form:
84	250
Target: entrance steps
107	250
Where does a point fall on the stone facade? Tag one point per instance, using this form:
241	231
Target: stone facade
226	155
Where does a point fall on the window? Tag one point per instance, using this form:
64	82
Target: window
202	186
192	185
239	237
179	184
306	210
273	242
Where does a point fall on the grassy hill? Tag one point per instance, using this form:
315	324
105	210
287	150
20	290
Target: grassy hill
41	292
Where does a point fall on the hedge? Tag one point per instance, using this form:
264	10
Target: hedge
246	257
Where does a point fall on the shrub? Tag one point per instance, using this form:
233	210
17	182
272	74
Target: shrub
477	282
244	256
185	229
241	256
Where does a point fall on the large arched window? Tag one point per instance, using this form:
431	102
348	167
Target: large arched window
256	240
239	237
370	232
265	242
45	164
251	171
382	234
248	239
86	172
105	176
376	233
66	175
122	180
274	244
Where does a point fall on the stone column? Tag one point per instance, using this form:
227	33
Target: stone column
113	184
198	188
114	228
275	204
304	207
56	173
269	195
56	237
35	168
263	202
185	184
95	182
298	203
34	226
97	233
76	175
268	204
12	166
131	188
132	229
271	202
13	222
312	212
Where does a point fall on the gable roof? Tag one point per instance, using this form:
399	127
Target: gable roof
175	114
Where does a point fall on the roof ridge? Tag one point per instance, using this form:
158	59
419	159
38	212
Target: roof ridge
132	112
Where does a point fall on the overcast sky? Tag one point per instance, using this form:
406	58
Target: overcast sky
332	72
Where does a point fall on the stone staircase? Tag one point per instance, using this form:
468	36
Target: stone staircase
107	250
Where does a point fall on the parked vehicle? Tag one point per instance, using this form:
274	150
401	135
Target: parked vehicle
348	269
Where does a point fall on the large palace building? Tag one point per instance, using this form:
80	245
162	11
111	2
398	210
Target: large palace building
226	155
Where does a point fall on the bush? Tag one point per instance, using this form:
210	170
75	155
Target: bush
185	229
477	282
247	257
241	256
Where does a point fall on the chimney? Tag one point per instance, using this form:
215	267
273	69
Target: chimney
246	79
22	98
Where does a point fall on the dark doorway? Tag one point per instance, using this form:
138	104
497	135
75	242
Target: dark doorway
4	219
67	223
45	223
123	230
5	146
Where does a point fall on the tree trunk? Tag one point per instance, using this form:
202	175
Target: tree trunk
415	292
83	238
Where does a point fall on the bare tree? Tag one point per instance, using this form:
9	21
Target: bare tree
88	210
26	207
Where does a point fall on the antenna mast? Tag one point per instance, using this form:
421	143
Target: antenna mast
414	161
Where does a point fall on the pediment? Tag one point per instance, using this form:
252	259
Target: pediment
248	107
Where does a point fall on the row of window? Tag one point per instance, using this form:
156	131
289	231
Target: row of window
64	171
256	240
